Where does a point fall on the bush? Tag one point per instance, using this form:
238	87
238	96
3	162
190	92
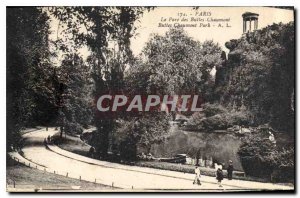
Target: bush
213	109
217	117
140	133
272	162
215	122
255	150
240	118
128	150
73	128
283	162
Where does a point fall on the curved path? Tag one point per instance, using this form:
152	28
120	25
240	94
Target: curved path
65	163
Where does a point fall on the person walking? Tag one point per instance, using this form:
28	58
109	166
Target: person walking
220	176
229	170
45	142
91	152
49	139
197	175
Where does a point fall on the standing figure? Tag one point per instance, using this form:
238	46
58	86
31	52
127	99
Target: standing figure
220	176
45	142
229	170
197	175
91	152
49	139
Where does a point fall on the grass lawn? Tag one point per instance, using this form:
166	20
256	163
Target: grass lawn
29	179
72	144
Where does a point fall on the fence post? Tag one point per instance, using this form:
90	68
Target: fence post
95	181
14	184
67	174
29	164
131	187
54	172
112	184
79	178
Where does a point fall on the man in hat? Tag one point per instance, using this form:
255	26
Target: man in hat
229	170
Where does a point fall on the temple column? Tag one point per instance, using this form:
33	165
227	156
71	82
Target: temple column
250	18
250	25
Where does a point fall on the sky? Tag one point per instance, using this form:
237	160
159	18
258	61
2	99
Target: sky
148	24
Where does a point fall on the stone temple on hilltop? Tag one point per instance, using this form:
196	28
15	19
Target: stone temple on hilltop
250	22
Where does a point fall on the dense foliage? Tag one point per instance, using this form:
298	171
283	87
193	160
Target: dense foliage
136	135
38	91
77	102
30	80
180	65
217	117
259	76
98	28
261	157
167	66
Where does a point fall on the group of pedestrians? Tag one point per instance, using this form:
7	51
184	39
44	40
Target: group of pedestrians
219	174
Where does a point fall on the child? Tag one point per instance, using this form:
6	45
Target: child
197	175
220	177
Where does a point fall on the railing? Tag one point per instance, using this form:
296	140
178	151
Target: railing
111	183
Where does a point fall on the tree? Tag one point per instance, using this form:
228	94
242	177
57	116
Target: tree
102	26
77	96
136	131
180	65
29	86
136	134
173	64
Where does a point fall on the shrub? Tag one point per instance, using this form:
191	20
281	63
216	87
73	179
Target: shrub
140	133
73	128
215	122
255	150
217	117
213	109
270	161
283	162
239	118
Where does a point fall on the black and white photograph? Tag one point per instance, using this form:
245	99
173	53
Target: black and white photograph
150	99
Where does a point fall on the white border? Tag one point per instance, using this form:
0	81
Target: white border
5	3
150	2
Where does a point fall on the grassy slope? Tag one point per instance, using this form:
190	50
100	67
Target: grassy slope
28	178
